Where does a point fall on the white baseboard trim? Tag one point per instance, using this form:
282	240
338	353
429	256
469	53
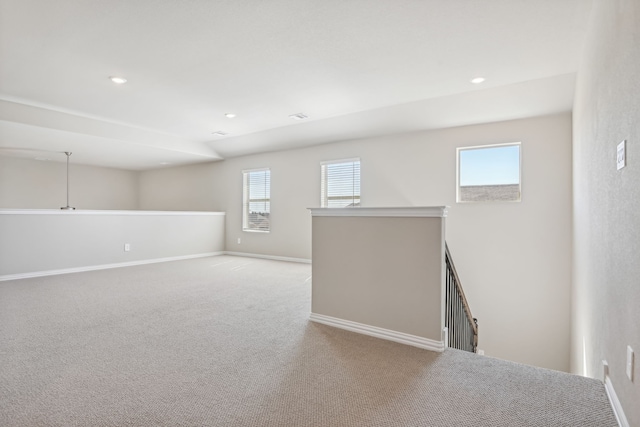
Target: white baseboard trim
374	331
615	403
142	262
104	266
272	257
445	337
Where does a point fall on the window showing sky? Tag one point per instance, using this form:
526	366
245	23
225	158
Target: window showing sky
490	165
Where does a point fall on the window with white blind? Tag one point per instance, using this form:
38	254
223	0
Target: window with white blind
340	186
256	196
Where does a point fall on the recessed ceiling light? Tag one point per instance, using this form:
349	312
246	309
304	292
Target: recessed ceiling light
220	133
298	116
229	115
477	80
118	80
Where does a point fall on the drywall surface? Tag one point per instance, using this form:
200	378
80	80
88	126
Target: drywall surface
33	184
606	290
380	271
185	188
44	240
514	259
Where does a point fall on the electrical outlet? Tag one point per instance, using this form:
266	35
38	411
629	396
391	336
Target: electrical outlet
127	247
239	240
630	362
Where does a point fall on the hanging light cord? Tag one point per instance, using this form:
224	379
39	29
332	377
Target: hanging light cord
68	153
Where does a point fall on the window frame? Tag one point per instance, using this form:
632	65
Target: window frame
324	182
477	147
246	200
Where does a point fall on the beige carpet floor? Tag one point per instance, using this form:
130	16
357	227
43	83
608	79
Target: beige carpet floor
226	341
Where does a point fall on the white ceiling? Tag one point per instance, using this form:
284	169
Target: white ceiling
357	68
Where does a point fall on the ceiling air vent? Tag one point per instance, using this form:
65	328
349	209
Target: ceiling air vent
298	116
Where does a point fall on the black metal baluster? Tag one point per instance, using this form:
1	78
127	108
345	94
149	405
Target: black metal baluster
461	326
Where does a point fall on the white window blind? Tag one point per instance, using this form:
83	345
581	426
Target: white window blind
340	183
256	192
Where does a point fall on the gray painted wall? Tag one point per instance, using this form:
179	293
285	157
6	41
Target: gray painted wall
514	259
606	243
33	184
393	282
54	240
190	188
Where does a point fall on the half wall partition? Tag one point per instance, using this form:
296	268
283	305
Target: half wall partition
380	272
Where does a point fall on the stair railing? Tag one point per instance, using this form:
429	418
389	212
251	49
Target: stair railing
462	327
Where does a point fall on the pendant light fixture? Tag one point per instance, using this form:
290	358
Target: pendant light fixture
30	153
68	208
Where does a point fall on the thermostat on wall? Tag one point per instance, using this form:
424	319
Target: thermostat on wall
622	154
